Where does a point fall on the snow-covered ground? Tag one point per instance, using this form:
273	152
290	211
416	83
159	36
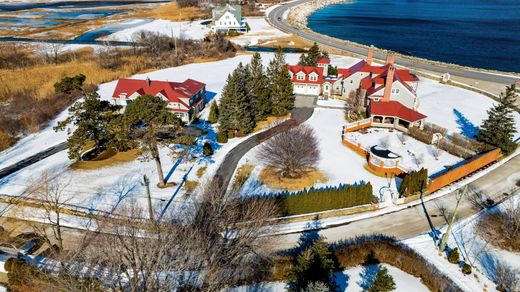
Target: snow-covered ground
414	154
472	248
260	30
459	110
353	279
95	188
106	187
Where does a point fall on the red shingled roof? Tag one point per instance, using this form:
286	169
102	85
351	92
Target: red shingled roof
323	60
395	109
307	70
173	91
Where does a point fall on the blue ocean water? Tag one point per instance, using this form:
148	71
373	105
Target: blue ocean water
476	33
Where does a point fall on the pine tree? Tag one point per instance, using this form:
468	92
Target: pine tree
213	113
383	282
259	88
499	128
303	60
145	116
282	95
235	105
314	264
313	55
92	119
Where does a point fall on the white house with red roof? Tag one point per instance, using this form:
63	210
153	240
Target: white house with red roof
307	80
185	99
389	93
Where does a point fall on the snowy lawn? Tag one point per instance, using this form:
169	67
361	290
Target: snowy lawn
337	162
459	110
471	248
107	187
414	154
260	30
356	278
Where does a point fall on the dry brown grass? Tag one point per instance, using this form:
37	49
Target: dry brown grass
271	120
190	185
201	171
40	79
243	173
106	159
271	179
288	42
171	11
493	228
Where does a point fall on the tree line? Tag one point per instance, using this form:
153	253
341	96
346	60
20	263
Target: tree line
251	94
317	200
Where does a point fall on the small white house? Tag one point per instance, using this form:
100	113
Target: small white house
228	18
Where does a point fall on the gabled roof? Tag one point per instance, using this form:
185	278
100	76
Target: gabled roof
323	60
236	10
394	109
307	70
173	91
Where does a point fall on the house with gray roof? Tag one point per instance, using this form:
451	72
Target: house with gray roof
228	18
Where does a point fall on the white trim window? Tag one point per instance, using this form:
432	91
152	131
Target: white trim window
300	76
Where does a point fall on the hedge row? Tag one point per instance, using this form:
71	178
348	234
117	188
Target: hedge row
414	182
317	200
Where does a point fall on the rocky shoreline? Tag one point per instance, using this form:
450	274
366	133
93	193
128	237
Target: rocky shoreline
297	17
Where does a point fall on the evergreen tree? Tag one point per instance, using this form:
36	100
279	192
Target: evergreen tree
499	128
145	116
282	95
313	55
207	150
259	88
92	119
383	282
314	264
303	60
235	105
453	256
213	113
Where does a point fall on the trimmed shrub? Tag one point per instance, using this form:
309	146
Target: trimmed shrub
454	149
453	256
231	134
466	269
317	200
185	140
222	136
418	134
414	182
467	143
433	128
207	150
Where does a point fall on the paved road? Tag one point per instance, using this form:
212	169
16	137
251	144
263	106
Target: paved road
230	162
32	159
420	219
275	17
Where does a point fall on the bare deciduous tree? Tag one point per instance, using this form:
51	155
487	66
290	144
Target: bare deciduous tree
50	51
384	142
292	153
49	193
214	243
435	151
402	138
507	278
419	159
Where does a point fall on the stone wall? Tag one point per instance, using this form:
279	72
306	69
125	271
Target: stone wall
297	17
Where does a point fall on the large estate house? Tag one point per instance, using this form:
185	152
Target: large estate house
185	99
228	18
388	93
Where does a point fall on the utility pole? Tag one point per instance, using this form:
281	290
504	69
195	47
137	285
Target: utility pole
446	235
146	183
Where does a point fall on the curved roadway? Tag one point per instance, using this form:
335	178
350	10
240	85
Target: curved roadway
275	17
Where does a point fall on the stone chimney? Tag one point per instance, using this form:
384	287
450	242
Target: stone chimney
370	55
388	83
390	58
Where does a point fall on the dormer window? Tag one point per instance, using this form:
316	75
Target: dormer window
300	76
313	77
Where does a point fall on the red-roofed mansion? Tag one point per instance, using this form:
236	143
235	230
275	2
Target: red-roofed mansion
389	93
185	99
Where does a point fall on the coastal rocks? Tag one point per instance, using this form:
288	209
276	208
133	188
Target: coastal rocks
297	17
